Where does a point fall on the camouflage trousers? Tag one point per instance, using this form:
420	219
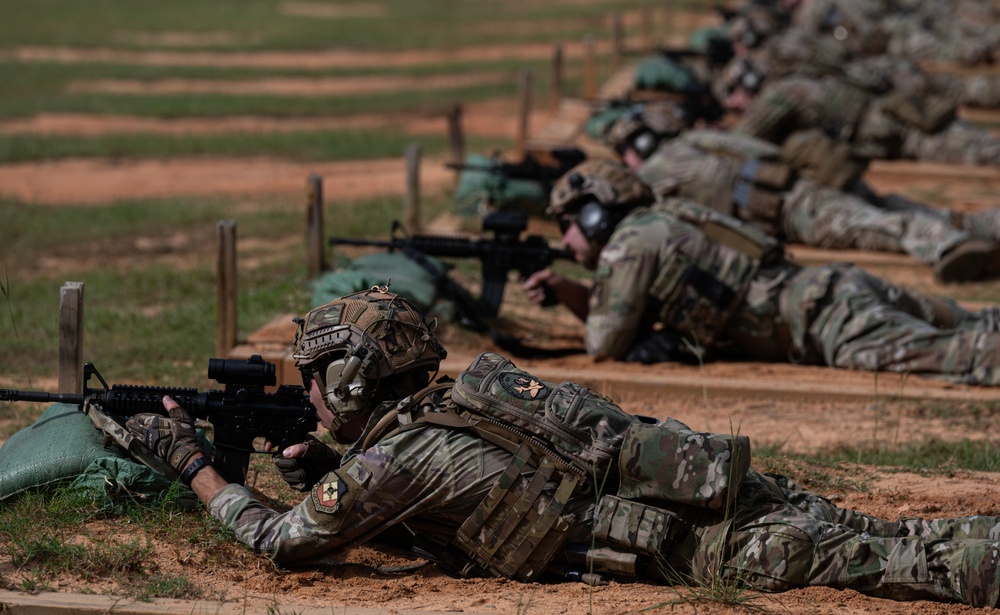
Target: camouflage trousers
815	215
983	224
841	316
783	537
959	143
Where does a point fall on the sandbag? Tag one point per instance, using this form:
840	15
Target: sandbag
64	449
482	188
409	280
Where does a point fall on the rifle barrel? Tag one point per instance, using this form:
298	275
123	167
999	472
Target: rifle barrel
42	396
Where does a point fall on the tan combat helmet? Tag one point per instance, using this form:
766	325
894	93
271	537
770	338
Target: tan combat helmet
644	125
365	348
608	182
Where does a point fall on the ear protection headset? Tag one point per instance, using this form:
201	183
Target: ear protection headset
644	143
596	222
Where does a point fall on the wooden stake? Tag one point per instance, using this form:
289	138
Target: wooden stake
71	338
455	135
617	39
555	93
412	214
524	112
314	226
646	27
589	68
226	290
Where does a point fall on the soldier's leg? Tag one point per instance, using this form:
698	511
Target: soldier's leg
960	142
819	216
821	508
783	548
866	323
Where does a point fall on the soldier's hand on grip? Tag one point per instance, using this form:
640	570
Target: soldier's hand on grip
312	460
173	439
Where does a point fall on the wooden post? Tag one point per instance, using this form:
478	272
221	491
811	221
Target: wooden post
555	92
455	135
646	27
412	205
617	39
314	226
668	22
589	68
71	338
524	112
226	295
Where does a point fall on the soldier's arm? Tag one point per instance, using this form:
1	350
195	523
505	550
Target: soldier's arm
403	476
618	300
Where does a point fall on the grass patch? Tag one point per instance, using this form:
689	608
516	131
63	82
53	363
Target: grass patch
301	146
826	471
263	24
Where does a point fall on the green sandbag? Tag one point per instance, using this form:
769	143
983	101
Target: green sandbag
408	279
483	189
662	74
600	121
63	448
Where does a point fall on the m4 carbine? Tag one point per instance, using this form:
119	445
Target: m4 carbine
500	255
239	413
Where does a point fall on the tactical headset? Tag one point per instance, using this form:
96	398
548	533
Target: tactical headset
596	222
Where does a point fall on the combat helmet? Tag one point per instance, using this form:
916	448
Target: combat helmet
597	194
365	348
644	125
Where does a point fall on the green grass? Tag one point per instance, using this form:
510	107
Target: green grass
928	456
261	24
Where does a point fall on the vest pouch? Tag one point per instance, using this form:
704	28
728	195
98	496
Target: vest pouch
930	113
683	466
635	525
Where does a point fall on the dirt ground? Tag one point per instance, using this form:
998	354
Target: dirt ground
801	409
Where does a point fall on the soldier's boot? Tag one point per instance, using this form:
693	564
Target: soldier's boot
974	259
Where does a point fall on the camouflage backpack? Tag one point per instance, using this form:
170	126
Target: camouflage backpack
578	440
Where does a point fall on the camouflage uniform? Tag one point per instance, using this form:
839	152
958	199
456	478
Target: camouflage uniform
722	521
836	315
705	166
798	51
922	30
877	126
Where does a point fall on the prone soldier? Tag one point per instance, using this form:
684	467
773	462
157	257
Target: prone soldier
795	194
676	278
495	489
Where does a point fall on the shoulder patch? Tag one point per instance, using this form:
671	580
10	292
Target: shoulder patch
523	386
327	494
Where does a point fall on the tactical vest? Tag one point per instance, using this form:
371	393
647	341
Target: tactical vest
733	174
707	274
571	437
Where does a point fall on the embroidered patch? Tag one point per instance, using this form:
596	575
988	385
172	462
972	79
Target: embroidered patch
326	497
326	317
523	386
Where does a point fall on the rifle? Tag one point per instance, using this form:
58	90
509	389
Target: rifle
543	166
238	414
506	252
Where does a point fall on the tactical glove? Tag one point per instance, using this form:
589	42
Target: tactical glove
172	439
301	473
